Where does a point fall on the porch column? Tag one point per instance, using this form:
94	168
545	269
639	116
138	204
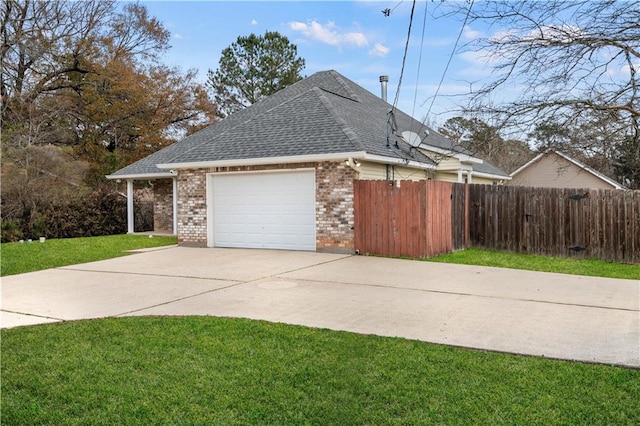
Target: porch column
130	228
469	176
460	176
175	206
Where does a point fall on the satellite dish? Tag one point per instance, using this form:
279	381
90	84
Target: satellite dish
411	138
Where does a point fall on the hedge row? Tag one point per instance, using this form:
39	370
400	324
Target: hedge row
103	212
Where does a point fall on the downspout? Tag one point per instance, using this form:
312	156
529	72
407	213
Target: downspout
175	206
130	227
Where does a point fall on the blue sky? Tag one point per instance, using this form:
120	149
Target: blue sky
352	37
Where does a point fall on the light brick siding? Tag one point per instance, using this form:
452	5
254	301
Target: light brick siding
163	205
192	207
334	207
334	203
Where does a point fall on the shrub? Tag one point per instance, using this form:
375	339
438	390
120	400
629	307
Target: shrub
11	231
102	212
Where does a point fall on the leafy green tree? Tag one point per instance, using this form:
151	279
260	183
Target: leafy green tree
252	68
83	93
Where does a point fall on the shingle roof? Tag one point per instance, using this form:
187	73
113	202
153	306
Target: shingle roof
322	114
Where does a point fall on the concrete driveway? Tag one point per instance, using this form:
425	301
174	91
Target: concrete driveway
551	315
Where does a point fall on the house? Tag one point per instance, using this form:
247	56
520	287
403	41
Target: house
279	174
554	169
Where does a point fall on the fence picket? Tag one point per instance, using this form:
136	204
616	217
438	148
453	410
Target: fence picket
427	218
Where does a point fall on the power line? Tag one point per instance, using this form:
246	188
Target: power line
387	12
415	94
455	47
404	57
394	7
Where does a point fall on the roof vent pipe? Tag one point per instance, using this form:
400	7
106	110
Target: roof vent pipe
383	86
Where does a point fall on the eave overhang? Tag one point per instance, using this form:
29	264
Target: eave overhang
143	176
341	156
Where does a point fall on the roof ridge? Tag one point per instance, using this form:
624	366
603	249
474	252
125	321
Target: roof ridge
348	131
341	80
338	94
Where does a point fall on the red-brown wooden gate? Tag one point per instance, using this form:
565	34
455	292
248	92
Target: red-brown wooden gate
408	218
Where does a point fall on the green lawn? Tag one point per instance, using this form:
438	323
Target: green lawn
591	267
27	257
204	370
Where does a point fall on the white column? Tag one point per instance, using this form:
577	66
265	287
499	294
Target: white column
175	206
460	176
469	176
130	228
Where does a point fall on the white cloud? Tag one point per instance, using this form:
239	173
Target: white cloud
469	33
254	22
379	50
329	34
177	36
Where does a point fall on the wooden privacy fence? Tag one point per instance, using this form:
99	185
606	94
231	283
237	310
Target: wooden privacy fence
583	223
407	218
427	218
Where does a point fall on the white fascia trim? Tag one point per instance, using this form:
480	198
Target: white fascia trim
463	167
524	166
144	176
462	157
400	161
490	176
474	173
341	156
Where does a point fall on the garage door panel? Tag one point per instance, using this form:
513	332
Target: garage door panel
265	210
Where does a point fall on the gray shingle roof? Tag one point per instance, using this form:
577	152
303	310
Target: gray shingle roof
322	114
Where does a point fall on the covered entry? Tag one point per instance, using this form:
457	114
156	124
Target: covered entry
274	209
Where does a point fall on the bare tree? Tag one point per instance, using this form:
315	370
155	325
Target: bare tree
484	140
83	85
563	61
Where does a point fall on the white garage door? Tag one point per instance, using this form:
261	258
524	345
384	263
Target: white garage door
264	210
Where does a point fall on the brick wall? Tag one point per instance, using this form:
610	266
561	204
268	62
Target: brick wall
334	204
192	207
334	207
163	205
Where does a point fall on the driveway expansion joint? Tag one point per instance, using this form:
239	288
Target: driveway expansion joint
64	268
32	315
456	293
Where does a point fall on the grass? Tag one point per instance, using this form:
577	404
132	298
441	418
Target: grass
591	267
18	258
204	370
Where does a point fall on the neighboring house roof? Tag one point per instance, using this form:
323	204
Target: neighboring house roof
582	168
490	170
322	117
